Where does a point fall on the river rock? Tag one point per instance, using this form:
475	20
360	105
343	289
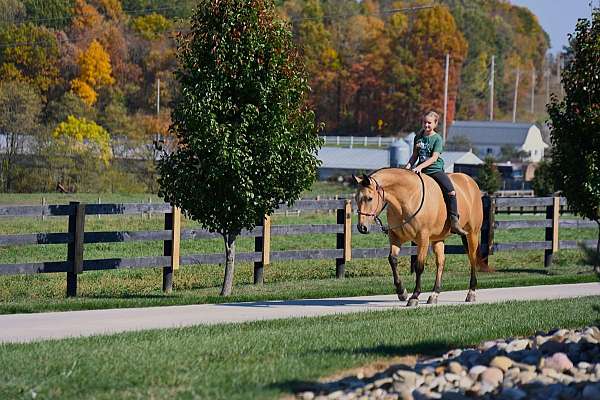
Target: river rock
501	362
492	376
559	361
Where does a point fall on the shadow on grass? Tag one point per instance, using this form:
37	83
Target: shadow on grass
423	349
523	270
316	303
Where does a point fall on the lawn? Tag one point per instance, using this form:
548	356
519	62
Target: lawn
264	360
283	280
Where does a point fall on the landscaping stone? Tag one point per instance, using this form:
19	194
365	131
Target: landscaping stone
560	364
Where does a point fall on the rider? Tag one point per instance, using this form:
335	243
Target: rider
428	147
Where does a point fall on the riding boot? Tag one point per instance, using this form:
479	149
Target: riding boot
453	212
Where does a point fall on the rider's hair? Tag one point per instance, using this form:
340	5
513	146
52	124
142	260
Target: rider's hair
433	114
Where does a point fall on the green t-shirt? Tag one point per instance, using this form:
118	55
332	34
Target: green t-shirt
425	147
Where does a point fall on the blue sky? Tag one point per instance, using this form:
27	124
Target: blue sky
558	17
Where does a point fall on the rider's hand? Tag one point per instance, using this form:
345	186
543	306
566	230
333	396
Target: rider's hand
407	166
417	170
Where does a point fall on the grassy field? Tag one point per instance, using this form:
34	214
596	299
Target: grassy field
318	189
264	360
284	280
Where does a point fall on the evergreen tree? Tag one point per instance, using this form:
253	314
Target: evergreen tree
489	177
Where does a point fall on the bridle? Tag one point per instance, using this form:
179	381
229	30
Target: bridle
381	196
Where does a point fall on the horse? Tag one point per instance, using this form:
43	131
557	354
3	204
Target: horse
416	212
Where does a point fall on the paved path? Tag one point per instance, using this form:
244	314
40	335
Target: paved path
56	325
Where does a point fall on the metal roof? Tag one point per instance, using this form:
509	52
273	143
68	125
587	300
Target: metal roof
372	159
492	133
345	158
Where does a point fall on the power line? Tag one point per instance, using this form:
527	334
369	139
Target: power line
139	11
329	16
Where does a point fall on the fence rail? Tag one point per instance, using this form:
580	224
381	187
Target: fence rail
352	141
172	234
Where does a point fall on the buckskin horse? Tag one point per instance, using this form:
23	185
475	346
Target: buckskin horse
416	212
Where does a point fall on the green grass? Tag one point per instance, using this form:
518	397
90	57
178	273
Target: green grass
318	189
264	360
283	280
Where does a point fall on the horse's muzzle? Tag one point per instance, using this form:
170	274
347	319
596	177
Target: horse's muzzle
362	228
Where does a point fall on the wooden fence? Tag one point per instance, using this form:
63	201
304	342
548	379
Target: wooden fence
172	234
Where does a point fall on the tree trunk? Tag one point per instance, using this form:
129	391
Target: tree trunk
229	239
597	259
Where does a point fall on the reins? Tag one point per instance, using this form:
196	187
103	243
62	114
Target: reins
386	229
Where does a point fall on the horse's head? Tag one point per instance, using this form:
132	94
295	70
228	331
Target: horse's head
369	202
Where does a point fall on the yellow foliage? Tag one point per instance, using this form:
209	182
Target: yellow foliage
111	8
84	138
84	91
151	26
95	71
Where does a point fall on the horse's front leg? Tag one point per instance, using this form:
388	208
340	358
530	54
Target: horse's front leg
422	247
393	260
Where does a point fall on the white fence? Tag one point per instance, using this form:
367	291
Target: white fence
352	141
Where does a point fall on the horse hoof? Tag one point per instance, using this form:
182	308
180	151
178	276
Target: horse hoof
470	297
412	303
403	296
432	299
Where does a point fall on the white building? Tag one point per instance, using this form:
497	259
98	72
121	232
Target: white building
487	138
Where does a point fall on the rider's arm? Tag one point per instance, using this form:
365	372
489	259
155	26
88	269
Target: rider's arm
428	162
413	157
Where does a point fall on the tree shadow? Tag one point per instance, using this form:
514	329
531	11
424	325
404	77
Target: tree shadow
524	270
425	350
429	358
590	256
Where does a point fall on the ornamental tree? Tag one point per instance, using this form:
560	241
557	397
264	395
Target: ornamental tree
489	177
247	141
575	125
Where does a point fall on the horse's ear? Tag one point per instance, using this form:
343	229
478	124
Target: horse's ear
366	181
356	179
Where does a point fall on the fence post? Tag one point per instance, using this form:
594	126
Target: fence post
262	244
344	240
43	209
552	214
171	247
75	246
487	228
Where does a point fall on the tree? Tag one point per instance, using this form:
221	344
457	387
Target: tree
543	179
489	177
575	123
51	13
246	139
79	154
95	72
30	54
20	110
509	152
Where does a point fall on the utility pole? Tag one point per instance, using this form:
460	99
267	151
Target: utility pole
547	73
514	119
446	96
491	83
533	90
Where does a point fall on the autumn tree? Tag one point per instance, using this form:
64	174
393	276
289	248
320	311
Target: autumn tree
247	141
575	123
29	54
78	154
55	14
95	72
20	112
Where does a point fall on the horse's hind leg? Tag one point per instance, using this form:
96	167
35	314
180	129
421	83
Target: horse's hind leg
393	260
440	259
421	254
471	244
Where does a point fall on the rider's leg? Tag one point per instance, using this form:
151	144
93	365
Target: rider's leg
450	196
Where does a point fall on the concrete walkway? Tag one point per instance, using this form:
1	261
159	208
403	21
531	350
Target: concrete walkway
56	325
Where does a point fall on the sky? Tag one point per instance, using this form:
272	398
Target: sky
558	17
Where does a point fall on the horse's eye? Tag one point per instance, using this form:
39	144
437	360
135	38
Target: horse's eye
369	198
